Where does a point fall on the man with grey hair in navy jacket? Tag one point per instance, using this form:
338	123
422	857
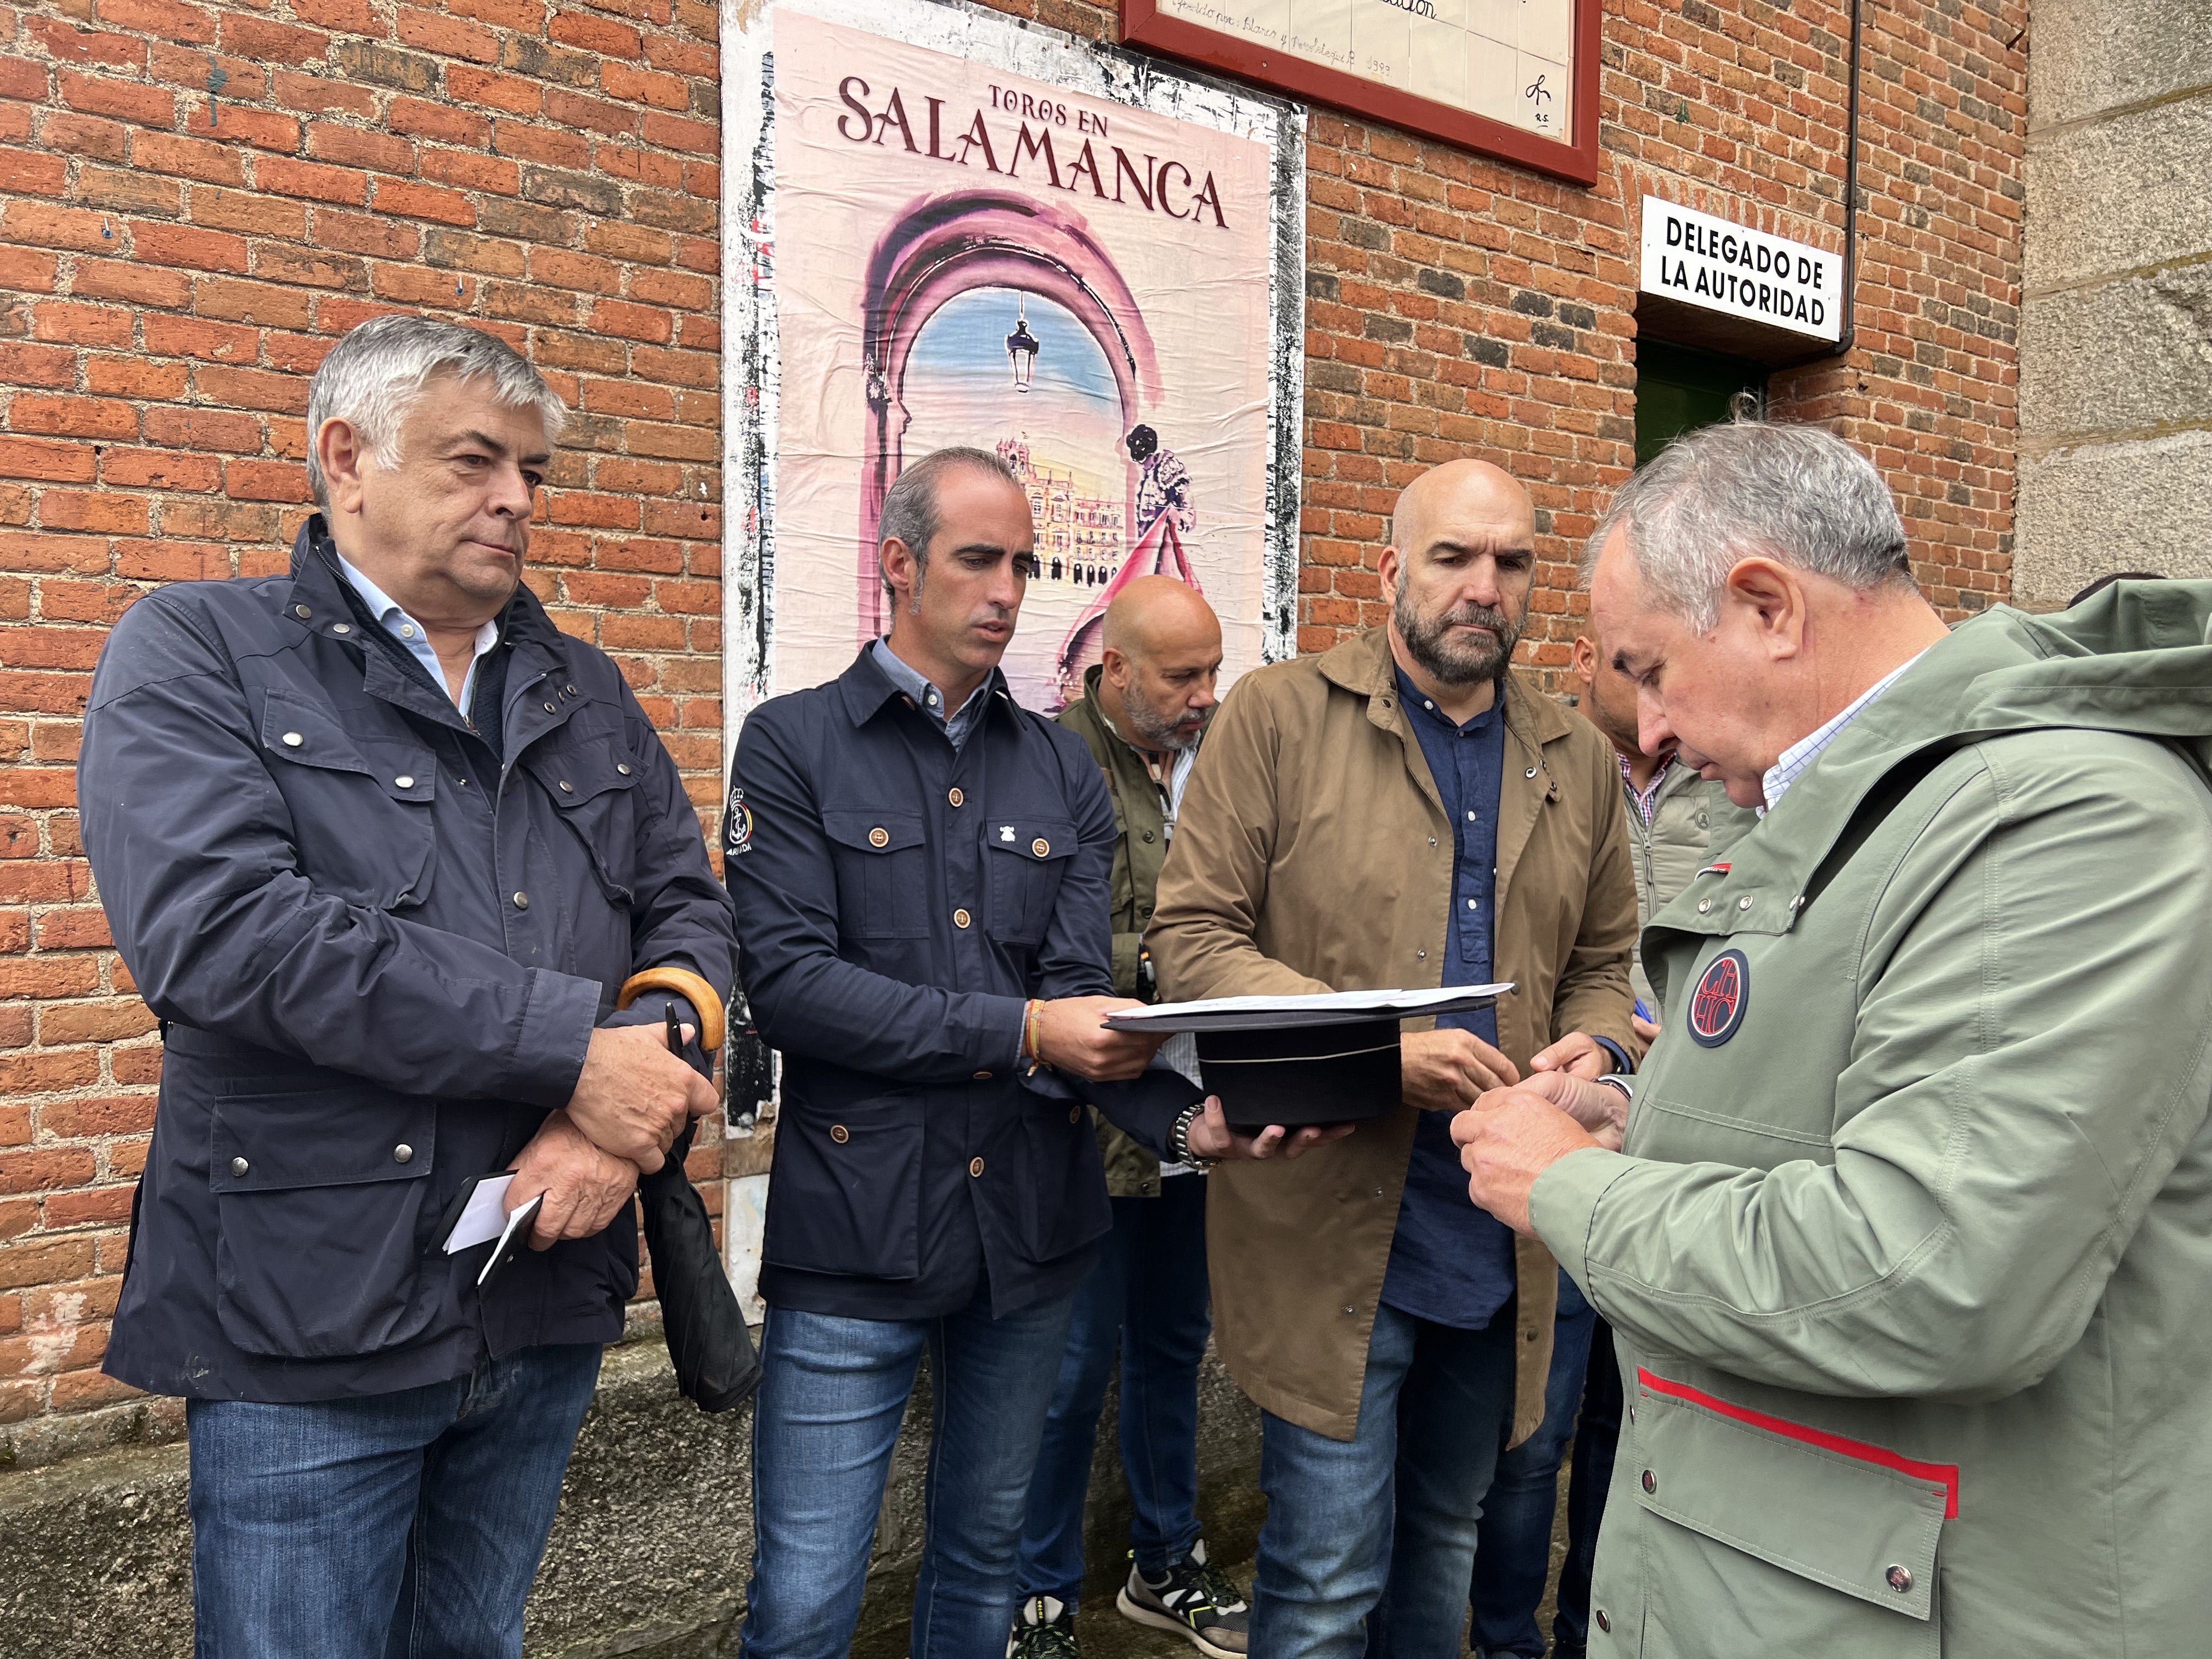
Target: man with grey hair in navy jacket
381	845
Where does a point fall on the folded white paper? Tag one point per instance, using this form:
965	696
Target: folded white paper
485	1216
1262	1013
524	1215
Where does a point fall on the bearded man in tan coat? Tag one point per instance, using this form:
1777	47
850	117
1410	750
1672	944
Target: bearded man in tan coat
1402	811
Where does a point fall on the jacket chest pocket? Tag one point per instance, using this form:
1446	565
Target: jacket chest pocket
1765	1536
323	1203
592	781
882	862
1028	857
362	805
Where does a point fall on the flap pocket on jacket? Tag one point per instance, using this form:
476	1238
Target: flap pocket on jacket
336	1137
1032	856
593	780
361	805
323	1212
883	874
845	1190
1853	1517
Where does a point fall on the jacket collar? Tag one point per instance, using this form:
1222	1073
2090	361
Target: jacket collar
320	600
866	688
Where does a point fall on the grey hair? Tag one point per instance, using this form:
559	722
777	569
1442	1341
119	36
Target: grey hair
1750	488
372	377
909	513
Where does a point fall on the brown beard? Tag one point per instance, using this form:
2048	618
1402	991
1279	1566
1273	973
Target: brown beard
1449	663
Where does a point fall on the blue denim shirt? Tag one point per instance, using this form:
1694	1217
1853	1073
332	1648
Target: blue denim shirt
1450	1261
898	901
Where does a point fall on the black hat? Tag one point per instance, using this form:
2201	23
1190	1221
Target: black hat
1303	1059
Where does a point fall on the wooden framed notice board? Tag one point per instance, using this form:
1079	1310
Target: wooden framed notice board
1516	79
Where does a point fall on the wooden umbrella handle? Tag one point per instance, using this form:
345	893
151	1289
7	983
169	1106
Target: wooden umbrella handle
688	985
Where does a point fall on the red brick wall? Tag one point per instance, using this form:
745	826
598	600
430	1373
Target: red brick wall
172	266
551	171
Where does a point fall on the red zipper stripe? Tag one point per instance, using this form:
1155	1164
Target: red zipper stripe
1715	870
1945	1474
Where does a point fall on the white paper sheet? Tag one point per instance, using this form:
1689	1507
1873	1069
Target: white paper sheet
1262	1013
485	1216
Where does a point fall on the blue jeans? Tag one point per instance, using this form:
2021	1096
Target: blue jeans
1147	1297
1515	1557
1369	1542
833	1392
397	1526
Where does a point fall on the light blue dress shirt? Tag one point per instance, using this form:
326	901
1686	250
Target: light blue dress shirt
411	633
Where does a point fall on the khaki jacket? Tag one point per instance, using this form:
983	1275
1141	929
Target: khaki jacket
1694	823
1909	1253
1131	1171
1313	854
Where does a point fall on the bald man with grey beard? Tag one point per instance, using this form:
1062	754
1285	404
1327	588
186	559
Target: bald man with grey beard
1143	714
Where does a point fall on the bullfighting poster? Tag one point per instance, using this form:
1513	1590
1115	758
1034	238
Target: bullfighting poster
945	226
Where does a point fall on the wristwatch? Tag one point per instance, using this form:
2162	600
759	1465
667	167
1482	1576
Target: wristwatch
1616	1080
1179	1138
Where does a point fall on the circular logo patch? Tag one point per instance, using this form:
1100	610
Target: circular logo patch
738	826
1718	1003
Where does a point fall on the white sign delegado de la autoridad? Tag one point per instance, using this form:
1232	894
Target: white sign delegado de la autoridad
1710	264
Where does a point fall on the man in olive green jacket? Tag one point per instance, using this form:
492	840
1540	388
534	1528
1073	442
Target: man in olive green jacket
1909	1247
1142	714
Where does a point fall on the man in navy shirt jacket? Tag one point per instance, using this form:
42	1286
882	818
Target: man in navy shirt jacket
920	869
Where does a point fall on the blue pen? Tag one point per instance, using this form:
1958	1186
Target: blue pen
1642	1013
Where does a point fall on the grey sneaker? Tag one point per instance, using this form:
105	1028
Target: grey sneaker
1195	1600
1044	1628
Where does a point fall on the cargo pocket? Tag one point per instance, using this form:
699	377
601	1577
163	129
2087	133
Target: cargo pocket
1032	856
361	804
1064	1203
883	874
1764	1535
323	1213
591	778
845	1190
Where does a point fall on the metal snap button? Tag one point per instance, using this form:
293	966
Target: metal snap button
1148	835
1530	772
522	901
1900	1579
402	1153
1040	847
239	1166
839	1133
302	612
1744	903
1075	1116
1349	1308
975	1166
880	838
1420	955
961	918
341	628
293	740
622	767
567	788
551	710
1604	1623
1650	1481
1703	905
571	688
956	797
403	781
980	1076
